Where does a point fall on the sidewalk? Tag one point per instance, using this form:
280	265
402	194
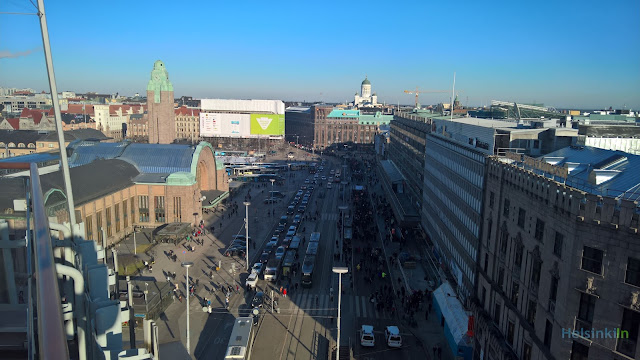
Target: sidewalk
429	331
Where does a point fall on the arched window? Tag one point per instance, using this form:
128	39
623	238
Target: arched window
11	145
31	146
1	144
21	145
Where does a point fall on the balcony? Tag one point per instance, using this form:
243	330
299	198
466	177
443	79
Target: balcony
580	324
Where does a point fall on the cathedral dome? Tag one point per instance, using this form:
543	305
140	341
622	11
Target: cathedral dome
366	81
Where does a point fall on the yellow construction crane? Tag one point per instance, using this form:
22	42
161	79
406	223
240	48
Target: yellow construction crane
418	92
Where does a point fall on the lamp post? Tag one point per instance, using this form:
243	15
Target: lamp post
135	246
187	265
344	188
272	181
339	270
343	209
246	229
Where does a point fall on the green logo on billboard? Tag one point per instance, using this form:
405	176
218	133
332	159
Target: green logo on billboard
267	124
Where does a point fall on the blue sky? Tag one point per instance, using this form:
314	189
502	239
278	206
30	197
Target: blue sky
575	54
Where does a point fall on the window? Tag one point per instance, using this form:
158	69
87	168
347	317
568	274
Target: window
548	332
579	351
633	272
116	209
539	230
492	199
511	329
108	215
125	214
133	210
535	271
526	352
99	226
504	241
627	341
88	226
531	312
592	260
557	246
177	209
486	262
522	214
143	205
585	311
518	255
505	209
515	289
500	277
40	145
50	146
158	204
484	296
553	289
496	313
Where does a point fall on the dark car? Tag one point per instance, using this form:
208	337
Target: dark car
279	229
291	209
235	250
271	245
264	257
258	299
302	208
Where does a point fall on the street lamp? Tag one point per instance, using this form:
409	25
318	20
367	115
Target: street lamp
135	247
246	229
339	270
343	209
187	265
272	181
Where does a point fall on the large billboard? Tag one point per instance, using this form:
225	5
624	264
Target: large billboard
267	124
241	125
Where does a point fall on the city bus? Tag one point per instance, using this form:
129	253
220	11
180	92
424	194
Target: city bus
307	270
241	339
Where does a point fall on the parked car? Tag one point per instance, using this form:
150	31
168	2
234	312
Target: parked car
392	336
258	299
367	338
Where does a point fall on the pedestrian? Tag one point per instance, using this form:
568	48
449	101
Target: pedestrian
435	351
439	352
284	292
238	288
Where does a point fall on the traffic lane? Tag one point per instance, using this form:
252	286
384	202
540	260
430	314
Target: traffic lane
410	349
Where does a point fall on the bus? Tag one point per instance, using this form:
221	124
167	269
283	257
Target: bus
307	270
312	248
241	339
288	261
272	270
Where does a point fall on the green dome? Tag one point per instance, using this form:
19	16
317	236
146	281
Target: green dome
366	81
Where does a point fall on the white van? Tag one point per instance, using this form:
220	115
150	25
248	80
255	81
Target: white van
392	336
366	336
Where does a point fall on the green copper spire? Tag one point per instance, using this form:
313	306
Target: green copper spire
159	80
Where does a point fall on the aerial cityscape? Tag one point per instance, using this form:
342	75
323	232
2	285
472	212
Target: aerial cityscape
333	181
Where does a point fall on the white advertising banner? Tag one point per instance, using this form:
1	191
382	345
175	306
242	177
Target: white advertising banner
225	125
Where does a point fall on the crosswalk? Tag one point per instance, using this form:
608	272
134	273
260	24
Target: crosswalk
360	306
330	216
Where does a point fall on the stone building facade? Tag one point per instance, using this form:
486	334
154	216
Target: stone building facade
554	259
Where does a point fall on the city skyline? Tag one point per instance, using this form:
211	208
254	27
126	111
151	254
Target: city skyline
558	54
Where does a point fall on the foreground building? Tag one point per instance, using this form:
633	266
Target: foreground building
560	257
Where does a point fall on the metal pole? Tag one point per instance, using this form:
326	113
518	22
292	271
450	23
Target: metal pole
272	181
246	229
339	306
272	301
188	333
342	238
56	110
132	315
135	246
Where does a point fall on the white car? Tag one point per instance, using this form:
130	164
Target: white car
257	268
367	338
329	186
392	336
252	280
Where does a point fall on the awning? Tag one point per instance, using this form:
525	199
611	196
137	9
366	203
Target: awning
213	198
454	314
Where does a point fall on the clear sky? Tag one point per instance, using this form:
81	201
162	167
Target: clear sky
567	54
